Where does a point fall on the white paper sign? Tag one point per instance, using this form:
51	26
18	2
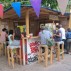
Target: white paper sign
32	48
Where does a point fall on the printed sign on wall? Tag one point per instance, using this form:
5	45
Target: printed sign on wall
32	48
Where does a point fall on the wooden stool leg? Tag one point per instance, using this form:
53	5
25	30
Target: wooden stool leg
62	51
8	56
51	55
20	55
5	51
46	56
1	49
58	53
5	47
12	58
56	48
39	55
16	59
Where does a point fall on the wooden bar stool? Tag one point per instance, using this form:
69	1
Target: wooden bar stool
12	55
60	50
1	49
46	54
5	49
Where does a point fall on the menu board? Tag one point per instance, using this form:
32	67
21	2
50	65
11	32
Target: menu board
53	17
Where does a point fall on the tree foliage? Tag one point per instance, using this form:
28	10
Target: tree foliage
48	3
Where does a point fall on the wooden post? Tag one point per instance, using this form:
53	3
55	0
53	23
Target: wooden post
46	56
58	52
70	20
51	53
23	42
12	57
8	52
27	23
62	51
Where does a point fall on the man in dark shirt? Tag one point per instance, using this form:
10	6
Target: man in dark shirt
68	39
57	34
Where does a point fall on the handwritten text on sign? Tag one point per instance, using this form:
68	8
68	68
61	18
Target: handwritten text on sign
34	46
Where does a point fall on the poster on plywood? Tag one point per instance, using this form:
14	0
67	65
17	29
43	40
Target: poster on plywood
32	49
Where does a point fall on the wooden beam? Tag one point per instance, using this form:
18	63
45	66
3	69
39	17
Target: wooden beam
13	14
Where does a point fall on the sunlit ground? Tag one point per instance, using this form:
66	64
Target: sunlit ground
63	65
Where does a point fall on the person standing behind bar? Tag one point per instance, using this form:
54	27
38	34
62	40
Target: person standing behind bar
63	34
68	39
58	34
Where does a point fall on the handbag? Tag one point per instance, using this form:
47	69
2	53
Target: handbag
50	42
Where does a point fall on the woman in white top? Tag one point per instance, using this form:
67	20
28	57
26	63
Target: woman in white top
10	37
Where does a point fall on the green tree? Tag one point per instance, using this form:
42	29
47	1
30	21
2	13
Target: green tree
48	3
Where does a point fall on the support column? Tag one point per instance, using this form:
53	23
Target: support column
70	20
27	23
27	34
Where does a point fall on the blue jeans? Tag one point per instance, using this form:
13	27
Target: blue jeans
68	44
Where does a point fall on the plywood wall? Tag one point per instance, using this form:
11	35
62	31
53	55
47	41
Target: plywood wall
3	25
64	22
34	27
10	25
6	24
